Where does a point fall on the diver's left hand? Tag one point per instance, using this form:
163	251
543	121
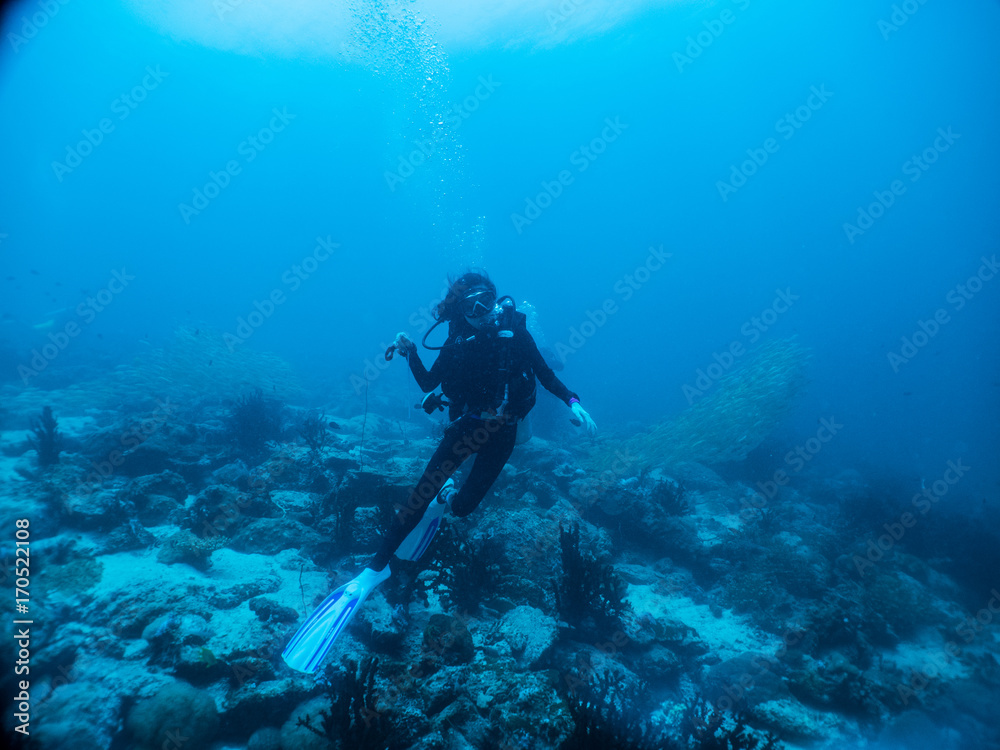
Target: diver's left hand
581	418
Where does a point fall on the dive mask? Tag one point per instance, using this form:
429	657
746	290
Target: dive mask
478	303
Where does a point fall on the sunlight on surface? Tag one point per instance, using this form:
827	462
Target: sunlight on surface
307	27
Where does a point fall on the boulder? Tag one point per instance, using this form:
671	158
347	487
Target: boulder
268	536
268	610
178	709
234	474
97	511
449	639
744	681
167	483
267	738
660	664
529	632
79	714
383	625
293	501
295	736
791	720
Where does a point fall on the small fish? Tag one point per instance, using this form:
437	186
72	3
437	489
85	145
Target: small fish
207	658
10	278
196	331
907	393
34	272
210	363
100	335
43	326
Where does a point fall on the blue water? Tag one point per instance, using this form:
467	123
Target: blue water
834	101
687	121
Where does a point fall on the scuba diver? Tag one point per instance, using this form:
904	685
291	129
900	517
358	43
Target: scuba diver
486	368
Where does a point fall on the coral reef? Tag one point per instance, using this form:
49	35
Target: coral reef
604	718
669	495
46	438
353	719
570	611
315	431
587	589
185	547
899	602
713	729
253	421
449	640
469	570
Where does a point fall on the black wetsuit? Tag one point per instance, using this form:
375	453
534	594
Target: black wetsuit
475	375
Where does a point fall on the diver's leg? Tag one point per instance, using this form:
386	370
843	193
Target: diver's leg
450	454
314	639
491	456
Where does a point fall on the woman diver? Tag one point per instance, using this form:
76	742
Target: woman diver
486	368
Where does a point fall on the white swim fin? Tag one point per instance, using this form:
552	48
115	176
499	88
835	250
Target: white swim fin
313	640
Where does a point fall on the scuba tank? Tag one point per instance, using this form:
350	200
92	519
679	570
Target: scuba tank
505	311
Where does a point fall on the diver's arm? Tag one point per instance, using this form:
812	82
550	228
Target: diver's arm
545	374
428	380
555	386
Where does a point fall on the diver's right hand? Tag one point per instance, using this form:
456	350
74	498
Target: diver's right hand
404	345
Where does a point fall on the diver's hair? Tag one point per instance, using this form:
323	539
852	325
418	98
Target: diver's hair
448	308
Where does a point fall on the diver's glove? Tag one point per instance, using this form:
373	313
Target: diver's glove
581	418
403	345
